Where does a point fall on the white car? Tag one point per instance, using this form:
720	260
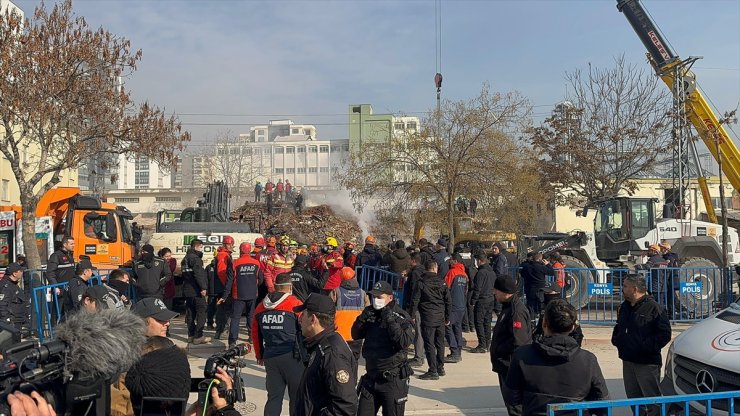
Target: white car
706	359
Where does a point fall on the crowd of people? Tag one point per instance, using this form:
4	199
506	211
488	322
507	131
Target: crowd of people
310	322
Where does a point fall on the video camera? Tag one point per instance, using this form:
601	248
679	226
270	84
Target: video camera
28	366
229	361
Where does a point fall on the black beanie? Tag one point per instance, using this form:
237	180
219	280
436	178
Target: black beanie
160	373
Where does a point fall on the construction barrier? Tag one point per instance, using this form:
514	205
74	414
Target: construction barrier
689	294
368	275
721	403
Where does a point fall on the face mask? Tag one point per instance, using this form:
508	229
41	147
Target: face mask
378	303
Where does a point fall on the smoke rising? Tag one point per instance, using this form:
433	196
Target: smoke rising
341	203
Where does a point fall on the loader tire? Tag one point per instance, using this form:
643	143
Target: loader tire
576	286
710	298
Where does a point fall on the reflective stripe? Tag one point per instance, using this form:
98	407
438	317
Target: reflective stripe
64	266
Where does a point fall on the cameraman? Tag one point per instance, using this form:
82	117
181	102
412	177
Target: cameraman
219	406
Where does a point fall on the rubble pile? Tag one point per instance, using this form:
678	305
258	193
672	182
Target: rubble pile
314	224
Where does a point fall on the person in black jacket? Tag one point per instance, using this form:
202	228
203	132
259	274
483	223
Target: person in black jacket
328	383
483	301
432	301
195	291
60	267
304	282
15	305
536	280
150	274
512	330
442	257
370	255
387	331
642	330
552	293
77	287
499	264
397	260
416	270
554	369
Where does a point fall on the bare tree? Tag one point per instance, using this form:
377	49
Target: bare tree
62	96
456	148
233	162
612	129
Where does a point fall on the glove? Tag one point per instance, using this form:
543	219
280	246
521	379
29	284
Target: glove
366	315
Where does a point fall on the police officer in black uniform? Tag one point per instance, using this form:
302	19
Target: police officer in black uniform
61	265
150	275
15	305
387	331
328	383
77	287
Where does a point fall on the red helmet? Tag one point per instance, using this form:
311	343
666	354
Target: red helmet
228	240
347	273
260	242
245	248
271	241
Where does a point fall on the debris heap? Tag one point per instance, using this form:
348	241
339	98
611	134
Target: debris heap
313	224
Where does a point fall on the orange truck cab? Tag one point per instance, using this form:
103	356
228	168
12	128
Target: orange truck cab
102	231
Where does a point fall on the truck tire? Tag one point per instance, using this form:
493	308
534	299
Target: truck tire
576	286
701	304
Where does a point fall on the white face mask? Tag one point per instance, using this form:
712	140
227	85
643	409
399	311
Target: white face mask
378	303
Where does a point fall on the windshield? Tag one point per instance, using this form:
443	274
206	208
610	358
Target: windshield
125	224
609	219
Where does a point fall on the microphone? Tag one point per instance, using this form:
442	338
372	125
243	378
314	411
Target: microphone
103	344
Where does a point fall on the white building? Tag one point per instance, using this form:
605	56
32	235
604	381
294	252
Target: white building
138	172
7	4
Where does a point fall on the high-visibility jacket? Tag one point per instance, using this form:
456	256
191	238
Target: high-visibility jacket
276	264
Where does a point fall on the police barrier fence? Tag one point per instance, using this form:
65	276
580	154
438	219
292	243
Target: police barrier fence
367	276
707	404
688	293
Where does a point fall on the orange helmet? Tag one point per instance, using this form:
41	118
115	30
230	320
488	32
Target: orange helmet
654	247
370	240
666	245
271	241
349	244
347	273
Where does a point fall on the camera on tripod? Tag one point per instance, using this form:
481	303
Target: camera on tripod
229	361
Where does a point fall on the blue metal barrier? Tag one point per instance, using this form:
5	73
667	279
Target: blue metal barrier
689	294
367	276
48	309
704	403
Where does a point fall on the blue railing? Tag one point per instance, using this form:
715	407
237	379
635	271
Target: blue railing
367	276
689	294
725	402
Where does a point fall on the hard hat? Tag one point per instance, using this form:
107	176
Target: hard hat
369	240
331	241
260	242
666	245
245	248
654	247
228	240
347	273
271	241
285	240
293	243
349	244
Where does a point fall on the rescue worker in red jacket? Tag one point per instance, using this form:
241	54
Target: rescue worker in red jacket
333	263
224	272
241	288
350	258
259	253
279	262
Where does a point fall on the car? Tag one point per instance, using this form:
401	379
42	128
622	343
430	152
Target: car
706	359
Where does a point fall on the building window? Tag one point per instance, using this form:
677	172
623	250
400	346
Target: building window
247	151
278	170
324	149
345	147
294	131
301	150
128	200
141	178
290	170
301	170
411	125
142	163
279	150
312	170
6	190
167	199
312	149
258	151
221	151
398	126
290	150
335	148
235	150
717	205
324	169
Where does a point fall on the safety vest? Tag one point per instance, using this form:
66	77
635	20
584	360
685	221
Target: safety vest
350	304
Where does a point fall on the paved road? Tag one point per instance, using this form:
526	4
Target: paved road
469	388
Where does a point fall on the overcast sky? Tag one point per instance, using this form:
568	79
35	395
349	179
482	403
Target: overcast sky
251	61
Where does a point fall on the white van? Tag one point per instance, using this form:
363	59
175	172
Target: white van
706	359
